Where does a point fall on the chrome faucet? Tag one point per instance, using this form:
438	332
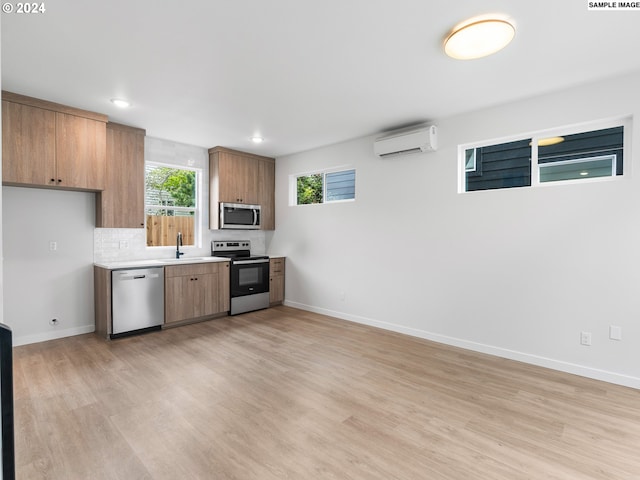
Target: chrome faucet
178	245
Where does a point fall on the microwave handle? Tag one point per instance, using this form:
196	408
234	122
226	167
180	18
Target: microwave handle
255	216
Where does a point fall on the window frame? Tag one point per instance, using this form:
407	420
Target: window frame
293	185
566	130
611	157
197	209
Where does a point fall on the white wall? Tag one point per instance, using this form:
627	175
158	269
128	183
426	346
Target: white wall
42	284
518	273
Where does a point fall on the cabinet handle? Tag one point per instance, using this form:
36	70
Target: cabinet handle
53	180
59	180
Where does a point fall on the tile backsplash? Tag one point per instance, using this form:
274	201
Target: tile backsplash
126	244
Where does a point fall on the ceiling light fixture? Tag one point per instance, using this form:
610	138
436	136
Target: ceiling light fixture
119	102
257	139
478	37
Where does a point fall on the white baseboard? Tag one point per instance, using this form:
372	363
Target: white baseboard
43	337
562	366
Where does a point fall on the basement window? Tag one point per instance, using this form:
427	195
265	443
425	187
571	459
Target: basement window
323	187
559	156
170	205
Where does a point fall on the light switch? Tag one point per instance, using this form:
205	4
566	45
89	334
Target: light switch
615	332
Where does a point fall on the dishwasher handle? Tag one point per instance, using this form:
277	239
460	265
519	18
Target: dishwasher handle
122	276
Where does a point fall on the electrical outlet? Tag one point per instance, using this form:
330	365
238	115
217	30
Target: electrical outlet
124	244
53	246
585	338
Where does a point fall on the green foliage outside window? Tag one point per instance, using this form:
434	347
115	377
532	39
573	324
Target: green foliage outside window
170	205
171	186
310	189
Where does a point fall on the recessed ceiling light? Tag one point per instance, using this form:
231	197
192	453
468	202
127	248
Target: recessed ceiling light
119	102
478	37
257	139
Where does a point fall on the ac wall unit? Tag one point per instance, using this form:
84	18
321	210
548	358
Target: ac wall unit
406	142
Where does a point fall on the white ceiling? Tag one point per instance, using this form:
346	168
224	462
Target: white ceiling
301	73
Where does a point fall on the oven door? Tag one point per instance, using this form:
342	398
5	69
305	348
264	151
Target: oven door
249	277
238	216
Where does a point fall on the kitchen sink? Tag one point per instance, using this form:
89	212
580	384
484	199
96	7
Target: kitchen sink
183	260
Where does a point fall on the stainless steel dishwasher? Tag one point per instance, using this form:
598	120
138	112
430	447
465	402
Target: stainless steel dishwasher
137	300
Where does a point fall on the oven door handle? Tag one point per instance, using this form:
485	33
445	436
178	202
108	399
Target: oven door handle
250	262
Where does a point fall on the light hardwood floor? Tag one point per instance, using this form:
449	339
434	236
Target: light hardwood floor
283	393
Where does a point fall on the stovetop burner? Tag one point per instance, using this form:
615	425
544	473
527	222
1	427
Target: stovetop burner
234	249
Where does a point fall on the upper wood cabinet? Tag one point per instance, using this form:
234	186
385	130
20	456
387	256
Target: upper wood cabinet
267	194
46	144
121	204
28	144
239	177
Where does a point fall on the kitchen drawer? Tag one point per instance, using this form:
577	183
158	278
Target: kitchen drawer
276	266
192	269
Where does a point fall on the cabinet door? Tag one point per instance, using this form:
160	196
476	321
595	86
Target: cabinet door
276	289
205	301
276	280
238	178
178	304
266	189
28	145
224	287
80	152
121	204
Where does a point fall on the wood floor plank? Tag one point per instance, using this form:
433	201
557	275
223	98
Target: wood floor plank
287	394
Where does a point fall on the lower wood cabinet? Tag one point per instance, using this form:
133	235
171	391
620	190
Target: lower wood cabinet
195	290
276	280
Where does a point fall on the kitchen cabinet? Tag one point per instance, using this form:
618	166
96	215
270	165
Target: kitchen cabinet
102	300
239	177
121	204
266	194
49	145
276	280
194	291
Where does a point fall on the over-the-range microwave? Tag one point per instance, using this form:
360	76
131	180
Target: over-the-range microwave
239	216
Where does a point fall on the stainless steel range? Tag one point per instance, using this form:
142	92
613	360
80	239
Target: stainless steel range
249	275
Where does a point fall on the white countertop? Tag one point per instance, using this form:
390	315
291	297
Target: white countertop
158	262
